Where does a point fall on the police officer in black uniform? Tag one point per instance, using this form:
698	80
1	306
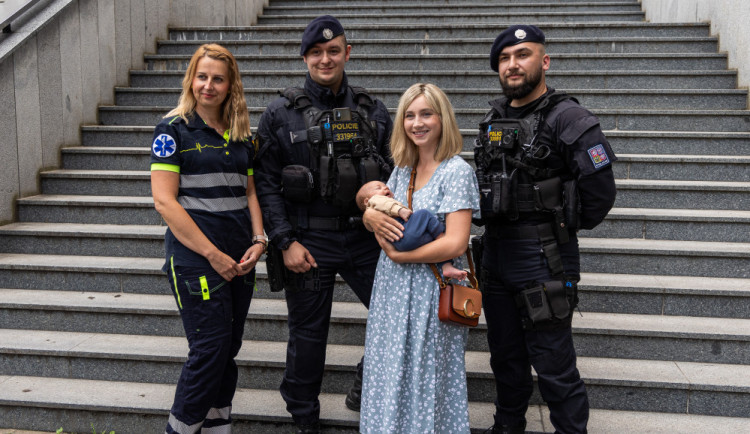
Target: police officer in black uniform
545	170
317	145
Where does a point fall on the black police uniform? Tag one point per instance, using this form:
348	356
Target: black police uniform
522	252
337	244
213	190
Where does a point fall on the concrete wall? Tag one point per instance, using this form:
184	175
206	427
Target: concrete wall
728	20
64	59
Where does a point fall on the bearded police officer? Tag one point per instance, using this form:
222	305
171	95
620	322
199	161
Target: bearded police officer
317	146
545	170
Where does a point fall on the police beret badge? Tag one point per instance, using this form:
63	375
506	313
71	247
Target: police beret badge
520	34
327	33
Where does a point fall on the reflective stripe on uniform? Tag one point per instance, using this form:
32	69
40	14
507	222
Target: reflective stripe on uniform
219	413
183	428
221	429
207	180
165	167
174	279
213	205
204	288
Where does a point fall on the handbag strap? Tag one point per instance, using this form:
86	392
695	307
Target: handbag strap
441	282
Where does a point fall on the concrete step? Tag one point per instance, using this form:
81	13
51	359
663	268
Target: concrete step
674	224
117	136
46	403
603	80
636	385
83	239
469	62
619	293
666	257
452	9
682	142
632	193
608	335
698	129
136	157
97	182
683	167
665	295
635	103
629	166
120	210
638	193
468	45
494	18
418	30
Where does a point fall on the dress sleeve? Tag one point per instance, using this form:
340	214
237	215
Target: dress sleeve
460	188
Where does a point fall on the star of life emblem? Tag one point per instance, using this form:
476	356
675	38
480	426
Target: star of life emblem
520	34
164	145
327	33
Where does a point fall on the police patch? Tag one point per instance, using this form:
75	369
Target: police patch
327	33
520	34
598	156
164	145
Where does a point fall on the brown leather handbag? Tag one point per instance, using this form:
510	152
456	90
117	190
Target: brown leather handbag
458	304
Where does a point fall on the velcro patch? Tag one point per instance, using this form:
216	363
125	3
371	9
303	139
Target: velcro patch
598	156
164	145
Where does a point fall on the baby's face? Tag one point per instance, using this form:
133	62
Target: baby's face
381	189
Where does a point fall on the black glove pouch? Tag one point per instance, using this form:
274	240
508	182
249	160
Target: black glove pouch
297	183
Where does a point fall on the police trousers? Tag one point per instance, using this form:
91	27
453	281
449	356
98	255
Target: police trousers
353	254
508	266
213	313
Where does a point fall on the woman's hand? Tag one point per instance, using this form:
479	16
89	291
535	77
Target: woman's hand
224	265
250	258
389	250
381	225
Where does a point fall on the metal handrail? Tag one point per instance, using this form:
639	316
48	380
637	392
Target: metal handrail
12	9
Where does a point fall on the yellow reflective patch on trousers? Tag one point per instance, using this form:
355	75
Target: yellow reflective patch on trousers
204	288
174	279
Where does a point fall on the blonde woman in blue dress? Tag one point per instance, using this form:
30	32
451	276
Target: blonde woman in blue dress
414	374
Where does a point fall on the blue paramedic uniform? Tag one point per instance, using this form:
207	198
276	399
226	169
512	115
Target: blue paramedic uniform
213	184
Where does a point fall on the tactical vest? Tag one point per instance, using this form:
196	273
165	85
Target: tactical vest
514	174
343	148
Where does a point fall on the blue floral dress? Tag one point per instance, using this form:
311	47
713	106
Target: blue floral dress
414	374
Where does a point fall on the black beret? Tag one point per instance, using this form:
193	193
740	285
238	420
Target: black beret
321	29
511	36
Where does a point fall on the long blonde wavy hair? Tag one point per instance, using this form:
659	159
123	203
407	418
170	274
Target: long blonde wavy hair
234	109
404	151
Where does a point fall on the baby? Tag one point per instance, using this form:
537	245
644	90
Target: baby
420	227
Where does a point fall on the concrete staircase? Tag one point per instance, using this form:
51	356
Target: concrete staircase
91	335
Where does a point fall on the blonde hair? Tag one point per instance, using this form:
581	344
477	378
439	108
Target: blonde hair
234	109
451	143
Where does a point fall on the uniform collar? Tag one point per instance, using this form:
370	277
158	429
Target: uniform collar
501	104
323	94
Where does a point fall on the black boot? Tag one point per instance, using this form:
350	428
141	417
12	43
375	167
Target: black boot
313	428
507	429
354	397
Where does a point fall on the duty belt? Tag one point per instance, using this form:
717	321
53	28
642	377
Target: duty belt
325	223
542	232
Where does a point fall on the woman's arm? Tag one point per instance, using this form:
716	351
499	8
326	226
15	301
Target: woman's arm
453	244
164	188
254	252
